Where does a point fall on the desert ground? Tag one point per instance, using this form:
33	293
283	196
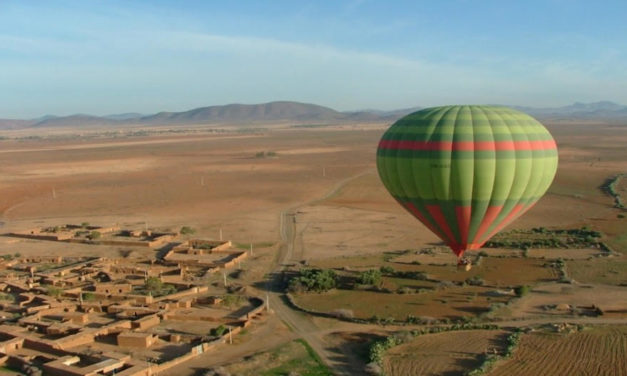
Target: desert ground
311	197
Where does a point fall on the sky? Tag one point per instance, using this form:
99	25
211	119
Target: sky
105	57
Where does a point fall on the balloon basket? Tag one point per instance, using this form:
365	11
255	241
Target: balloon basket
464	267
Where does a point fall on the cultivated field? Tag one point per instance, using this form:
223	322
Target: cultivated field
595	351
449	353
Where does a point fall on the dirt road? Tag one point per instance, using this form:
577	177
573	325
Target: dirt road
340	362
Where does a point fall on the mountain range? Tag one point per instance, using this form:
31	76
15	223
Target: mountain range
293	112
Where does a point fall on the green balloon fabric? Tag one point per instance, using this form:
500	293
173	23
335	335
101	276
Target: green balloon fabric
467	171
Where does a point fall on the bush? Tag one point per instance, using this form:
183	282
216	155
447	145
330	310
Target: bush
370	277
88	296
318	280
522	291
155	287
420	276
342	313
231	300
475	281
186	230
94	235
153	284
388	270
54	291
219	330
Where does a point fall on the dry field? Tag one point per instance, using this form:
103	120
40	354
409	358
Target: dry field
344	216
610	271
603	296
290	357
596	351
449	353
449	303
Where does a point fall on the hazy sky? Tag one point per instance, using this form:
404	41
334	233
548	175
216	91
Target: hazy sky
102	57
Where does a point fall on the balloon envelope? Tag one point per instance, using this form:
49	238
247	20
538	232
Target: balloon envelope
467	171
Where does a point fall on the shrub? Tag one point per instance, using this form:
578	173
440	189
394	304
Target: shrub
318	280
370	277
388	270
342	313
231	300
405	290
156	287
54	291
219	330
522	290
475	281
94	235
186	230
420	276
88	296
153	284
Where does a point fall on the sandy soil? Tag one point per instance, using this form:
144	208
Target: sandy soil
598	351
215	181
604	296
443	353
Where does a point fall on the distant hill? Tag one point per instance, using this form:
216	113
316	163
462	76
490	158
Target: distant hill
14	123
125	116
295	112
603	110
249	113
73	121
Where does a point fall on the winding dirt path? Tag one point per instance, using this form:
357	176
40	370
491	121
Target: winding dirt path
340	362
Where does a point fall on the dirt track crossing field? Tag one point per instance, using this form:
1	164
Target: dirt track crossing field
598	351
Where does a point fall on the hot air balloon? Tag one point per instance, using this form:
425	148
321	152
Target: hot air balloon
466	172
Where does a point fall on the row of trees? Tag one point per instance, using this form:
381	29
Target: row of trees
321	280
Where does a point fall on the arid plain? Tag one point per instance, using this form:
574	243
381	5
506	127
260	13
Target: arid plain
311	197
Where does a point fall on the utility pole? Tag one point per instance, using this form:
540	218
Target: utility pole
230	336
224	275
251	249
267	302
220	234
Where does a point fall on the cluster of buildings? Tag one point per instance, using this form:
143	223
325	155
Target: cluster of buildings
113	316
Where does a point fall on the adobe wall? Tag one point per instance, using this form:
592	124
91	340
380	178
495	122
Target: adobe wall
132	339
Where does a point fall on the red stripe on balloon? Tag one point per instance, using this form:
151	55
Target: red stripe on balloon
488	219
467	145
463	221
418	214
438	216
517	211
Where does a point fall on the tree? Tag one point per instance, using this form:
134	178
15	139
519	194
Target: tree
153	285
370	277
318	280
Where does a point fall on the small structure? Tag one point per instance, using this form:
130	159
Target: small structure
136	339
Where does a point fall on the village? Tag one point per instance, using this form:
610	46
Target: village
114	316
